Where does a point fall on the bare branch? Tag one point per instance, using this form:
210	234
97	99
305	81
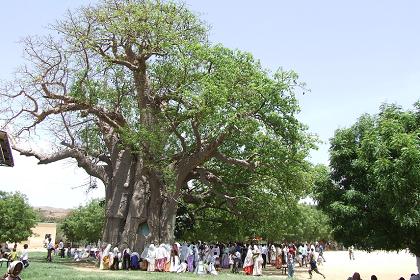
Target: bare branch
83	161
234	161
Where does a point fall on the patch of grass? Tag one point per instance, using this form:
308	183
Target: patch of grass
67	269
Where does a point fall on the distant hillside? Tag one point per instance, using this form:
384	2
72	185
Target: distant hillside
51	214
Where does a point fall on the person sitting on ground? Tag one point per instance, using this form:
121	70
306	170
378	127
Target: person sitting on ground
15	268
373	277
24	258
182	267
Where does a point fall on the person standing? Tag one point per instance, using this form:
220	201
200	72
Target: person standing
249	262
258	261
264	251
61	248
351	252
290	265
50	248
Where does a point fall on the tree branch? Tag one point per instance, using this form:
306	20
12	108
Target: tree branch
234	161
82	160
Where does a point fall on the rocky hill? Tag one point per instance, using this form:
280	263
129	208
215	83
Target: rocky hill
51	214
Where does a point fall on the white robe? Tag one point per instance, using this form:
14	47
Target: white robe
182	268
258	265
249	261
151	258
103	254
174	264
200	269
273	253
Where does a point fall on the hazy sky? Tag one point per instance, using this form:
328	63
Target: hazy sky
353	55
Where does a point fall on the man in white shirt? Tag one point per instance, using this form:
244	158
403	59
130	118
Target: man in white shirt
50	248
24	258
264	251
61	248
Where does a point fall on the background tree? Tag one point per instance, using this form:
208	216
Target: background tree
133	91
372	193
85	223
17	217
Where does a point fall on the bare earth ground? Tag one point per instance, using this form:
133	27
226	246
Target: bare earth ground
386	266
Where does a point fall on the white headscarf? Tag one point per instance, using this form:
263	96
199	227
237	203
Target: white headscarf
15	268
106	250
151	253
144	253
248	259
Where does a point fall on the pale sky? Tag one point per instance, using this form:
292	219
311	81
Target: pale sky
353	55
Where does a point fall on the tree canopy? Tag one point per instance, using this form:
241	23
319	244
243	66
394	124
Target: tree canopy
372	192
138	96
17	217
85	223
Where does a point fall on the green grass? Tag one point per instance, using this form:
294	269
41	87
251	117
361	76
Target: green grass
67	269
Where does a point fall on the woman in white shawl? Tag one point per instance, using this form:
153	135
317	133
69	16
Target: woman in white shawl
105	253
174	260
272	255
258	261
160	258
15	268
151	258
249	262
211	260
143	257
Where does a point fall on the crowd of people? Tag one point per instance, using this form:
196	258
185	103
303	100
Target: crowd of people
202	258
10	255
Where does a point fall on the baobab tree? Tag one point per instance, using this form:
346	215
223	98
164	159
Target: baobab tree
138	96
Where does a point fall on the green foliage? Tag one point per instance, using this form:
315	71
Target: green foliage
16	217
372	193
215	127
272	219
85	223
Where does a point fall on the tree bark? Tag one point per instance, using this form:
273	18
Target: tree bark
139	209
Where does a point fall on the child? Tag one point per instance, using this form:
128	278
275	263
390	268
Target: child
237	262
24	258
13	255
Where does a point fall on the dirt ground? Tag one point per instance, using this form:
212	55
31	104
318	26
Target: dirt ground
385	265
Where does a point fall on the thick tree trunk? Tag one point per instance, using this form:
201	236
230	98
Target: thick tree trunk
139	209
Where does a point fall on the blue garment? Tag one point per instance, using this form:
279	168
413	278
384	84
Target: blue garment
134	261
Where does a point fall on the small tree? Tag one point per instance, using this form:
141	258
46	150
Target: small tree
16	217
85	223
372	192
